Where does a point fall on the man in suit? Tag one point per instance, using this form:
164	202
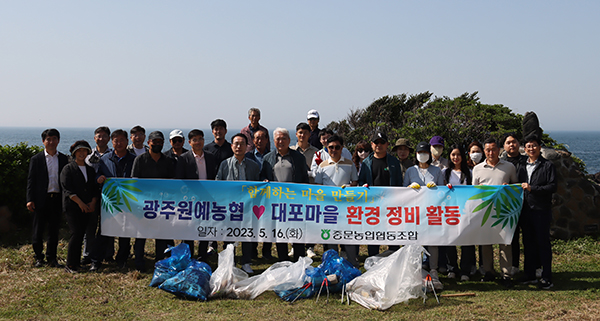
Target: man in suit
239	168
44	196
196	164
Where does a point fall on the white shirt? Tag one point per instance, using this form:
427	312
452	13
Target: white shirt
324	155
53	178
336	174
201	164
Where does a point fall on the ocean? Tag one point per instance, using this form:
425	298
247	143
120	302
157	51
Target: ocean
581	143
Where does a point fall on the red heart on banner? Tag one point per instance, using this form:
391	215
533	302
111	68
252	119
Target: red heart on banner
258	211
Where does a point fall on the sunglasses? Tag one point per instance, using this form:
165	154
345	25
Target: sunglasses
177	140
334	147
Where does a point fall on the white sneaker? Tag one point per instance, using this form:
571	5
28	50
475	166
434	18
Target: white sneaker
246	267
310	253
291	253
437	285
538	273
210	250
451	275
464	278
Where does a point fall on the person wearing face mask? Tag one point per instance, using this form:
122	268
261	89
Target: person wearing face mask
362	150
152	164
403	150
437	148
476	155
424	174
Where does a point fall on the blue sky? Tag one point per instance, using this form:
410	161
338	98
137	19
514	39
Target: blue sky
184	63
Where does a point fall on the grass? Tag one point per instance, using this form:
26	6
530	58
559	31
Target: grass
28	293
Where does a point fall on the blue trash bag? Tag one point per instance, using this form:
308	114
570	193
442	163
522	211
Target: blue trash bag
344	271
165	269
192	283
305	291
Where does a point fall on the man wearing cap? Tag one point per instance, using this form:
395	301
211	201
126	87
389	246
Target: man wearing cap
138	136
44	197
313	122
176	139
437	148
380	169
403	150
152	164
219	147
253	127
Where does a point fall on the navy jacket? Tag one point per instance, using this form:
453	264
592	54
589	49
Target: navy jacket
187	169
37	180
543	184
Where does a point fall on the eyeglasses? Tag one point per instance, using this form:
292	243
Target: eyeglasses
334	147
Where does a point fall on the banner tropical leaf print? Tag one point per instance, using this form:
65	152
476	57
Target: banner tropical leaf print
117	193
502	200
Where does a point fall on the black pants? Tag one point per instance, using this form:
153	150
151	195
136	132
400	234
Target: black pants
282	251
515	244
77	224
159	248
352	253
247	248
536	242
89	240
47	217
467	259
202	249
374	249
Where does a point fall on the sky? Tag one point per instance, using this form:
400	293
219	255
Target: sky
185	63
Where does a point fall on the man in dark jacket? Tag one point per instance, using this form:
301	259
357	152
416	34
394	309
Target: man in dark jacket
117	163
196	164
285	165
152	164
539	176
44	197
380	169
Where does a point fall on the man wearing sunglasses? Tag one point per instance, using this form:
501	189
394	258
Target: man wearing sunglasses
338	170
380	169
176	139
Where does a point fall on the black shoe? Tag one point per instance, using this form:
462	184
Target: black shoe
39	263
141	269
95	266
54	263
488	277
524	280
506	282
86	260
545	284
121	265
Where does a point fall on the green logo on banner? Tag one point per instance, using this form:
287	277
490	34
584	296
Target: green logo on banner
325	234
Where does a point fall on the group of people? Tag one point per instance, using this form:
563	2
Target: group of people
56	185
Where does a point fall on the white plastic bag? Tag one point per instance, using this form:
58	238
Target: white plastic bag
226	274
284	274
390	280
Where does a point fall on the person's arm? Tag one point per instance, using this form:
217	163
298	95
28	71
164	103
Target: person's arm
549	186
31	181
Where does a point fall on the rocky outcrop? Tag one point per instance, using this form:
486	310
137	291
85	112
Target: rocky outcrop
576	204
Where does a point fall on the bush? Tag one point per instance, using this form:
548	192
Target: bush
14	168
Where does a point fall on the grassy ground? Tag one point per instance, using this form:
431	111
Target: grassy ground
49	293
